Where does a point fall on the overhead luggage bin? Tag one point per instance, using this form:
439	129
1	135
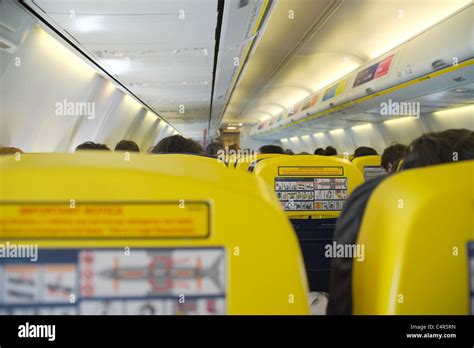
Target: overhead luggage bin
312	191
158	234
418	234
370	166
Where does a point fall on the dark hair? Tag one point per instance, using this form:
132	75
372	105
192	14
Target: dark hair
330	151
213	148
320	151
233	147
362	151
90	145
392	155
451	145
127	145
289	152
271	149
177	144
9	150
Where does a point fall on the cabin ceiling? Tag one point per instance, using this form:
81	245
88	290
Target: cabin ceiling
345	34
161	50
164	50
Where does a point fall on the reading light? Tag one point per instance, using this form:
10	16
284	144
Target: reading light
399	120
362	126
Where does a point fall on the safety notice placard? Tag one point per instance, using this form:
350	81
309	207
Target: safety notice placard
371	172
311	194
115	281
105	220
310	171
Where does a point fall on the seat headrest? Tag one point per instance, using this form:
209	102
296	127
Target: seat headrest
416	232
247	163
370	166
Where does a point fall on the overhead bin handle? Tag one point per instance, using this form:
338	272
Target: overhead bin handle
439	63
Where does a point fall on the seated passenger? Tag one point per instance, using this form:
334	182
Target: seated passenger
9	150
433	148
364	151
177	144
392	155
320	151
271	149
213	148
90	145
330	151
127	145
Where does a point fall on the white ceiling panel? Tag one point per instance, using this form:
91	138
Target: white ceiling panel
127	7
138	29
162	50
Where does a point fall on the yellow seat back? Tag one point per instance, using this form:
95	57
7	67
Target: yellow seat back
162	234
370	166
231	160
416	230
244	163
310	185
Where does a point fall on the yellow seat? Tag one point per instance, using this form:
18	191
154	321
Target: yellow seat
231	160
310	185
245	162
163	234
416	231
344	156
312	190
370	166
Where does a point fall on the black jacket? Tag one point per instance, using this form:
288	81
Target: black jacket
347	231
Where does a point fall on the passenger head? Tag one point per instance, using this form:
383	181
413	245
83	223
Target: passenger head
234	148
362	151
9	150
392	155
89	145
213	148
289	152
127	145
320	151
452	145
271	149
330	151
177	144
